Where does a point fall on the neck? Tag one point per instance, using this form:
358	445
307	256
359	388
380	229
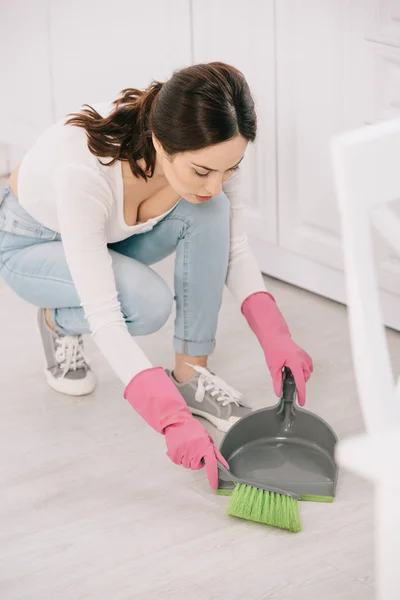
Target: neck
129	176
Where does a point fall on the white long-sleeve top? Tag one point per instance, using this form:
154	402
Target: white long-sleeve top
64	187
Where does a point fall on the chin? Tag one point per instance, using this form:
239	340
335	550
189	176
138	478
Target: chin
191	199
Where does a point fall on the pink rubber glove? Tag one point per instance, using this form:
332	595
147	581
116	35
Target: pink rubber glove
268	324
153	395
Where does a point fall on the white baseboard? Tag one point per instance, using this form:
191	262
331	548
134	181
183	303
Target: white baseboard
304	273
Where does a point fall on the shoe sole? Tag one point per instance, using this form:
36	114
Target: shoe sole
221	424
76	387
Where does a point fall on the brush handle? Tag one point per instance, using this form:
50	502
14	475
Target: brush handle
229	477
226	472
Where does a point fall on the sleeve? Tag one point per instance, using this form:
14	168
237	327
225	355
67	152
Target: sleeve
84	203
244	276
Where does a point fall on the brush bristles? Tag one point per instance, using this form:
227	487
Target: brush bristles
254	504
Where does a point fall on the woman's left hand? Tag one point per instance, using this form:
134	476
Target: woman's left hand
284	352
268	324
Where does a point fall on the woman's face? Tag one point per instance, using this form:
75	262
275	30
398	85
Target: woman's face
198	176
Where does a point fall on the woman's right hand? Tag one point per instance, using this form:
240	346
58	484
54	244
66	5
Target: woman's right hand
189	444
153	395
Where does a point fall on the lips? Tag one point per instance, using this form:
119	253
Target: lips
203	198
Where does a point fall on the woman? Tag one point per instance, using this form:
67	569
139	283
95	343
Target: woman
115	188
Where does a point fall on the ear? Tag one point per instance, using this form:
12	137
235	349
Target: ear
157	144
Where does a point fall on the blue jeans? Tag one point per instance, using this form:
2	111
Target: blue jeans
33	264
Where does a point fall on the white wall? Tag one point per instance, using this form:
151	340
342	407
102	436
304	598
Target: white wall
58	54
25	78
99	48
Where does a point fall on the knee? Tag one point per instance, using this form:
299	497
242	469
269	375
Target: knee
152	312
214	214
217	211
211	220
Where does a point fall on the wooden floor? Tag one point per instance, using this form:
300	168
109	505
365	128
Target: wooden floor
91	508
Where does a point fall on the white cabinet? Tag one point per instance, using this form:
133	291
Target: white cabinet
317	50
329	79
383	43
243	35
313	73
99	48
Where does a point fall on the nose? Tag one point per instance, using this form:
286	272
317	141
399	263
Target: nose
214	187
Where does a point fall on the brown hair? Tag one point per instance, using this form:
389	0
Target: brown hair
198	106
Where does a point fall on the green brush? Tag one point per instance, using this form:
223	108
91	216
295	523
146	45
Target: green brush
270	506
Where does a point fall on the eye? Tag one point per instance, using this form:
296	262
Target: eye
206	174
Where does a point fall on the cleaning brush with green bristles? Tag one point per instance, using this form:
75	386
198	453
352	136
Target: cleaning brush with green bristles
269	506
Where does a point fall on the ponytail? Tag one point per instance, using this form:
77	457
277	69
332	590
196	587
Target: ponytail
124	134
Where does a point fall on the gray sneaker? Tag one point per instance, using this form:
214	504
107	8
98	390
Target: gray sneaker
208	396
67	370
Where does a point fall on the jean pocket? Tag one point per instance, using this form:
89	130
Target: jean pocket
25	227
16	221
21	227
3	195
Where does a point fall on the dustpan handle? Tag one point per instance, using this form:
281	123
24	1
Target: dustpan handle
286	406
288	386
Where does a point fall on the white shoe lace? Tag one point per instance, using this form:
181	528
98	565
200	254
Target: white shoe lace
69	353
216	387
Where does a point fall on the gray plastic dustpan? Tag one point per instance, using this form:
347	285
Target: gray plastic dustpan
283	447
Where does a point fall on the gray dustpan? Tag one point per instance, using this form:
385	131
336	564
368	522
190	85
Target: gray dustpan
283	447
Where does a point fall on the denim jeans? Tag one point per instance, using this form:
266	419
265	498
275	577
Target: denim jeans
33	264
